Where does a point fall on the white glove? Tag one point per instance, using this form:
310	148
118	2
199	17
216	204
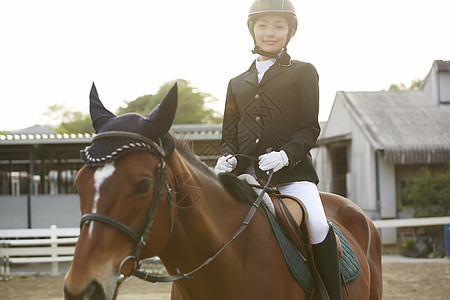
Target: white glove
274	160
225	164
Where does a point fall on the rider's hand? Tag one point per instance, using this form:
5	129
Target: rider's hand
225	164
274	160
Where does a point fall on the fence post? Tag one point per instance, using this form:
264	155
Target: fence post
7	268
54	247
4	259
447	239
2	262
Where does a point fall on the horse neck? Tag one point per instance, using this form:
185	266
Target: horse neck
202	219
205	219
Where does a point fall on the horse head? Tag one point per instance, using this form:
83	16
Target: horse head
120	187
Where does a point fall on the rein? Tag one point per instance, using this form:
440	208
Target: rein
150	277
140	238
156	278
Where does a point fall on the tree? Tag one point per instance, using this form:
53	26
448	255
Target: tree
192	109
192	104
415	85
79	123
429	192
65	119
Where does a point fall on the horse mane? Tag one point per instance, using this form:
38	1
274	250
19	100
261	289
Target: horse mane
238	188
185	151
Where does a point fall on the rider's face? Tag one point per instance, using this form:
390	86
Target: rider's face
271	33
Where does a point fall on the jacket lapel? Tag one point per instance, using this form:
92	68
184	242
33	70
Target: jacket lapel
251	76
273	71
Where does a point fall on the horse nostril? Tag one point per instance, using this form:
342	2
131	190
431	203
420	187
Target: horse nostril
94	291
69	296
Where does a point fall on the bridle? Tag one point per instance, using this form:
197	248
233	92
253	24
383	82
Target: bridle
140	238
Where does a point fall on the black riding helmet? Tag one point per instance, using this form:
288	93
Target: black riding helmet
282	8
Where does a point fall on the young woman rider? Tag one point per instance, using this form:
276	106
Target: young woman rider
271	113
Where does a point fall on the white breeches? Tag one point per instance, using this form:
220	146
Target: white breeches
308	193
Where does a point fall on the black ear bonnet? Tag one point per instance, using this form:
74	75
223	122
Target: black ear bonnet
154	127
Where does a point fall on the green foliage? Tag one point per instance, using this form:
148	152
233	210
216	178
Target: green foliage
429	192
64	119
191	104
192	109
410	244
397	87
78	123
415	85
142	105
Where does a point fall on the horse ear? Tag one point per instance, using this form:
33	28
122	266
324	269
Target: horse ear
99	114
161	117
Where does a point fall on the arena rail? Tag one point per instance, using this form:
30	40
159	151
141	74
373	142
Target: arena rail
411	222
34	246
55	245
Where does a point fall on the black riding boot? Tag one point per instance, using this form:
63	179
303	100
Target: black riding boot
327	264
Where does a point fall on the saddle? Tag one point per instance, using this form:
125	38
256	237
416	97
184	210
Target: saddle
298	235
301	239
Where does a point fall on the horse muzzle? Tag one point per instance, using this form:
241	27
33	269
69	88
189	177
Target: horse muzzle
93	291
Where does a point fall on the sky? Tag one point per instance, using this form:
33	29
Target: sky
52	51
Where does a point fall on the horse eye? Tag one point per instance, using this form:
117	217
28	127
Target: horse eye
143	186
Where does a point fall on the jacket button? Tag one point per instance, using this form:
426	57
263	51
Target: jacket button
257	141
257	96
257	119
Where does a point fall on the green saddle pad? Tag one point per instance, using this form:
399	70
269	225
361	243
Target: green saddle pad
349	264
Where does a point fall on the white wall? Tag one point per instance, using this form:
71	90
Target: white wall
388	202
430	87
46	210
361	160
362	167
322	164
444	87
437	86
337	124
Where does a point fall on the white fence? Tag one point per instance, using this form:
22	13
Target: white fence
47	246
54	245
413	222
32	246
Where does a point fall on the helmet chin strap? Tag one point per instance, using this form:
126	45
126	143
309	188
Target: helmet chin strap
259	51
283	58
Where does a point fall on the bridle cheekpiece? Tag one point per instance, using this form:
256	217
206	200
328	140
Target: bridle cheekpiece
139	238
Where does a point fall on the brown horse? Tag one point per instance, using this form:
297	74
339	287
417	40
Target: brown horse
154	200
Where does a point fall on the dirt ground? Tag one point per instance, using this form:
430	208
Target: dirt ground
403	280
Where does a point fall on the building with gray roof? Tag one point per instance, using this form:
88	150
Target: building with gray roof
38	168
373	140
